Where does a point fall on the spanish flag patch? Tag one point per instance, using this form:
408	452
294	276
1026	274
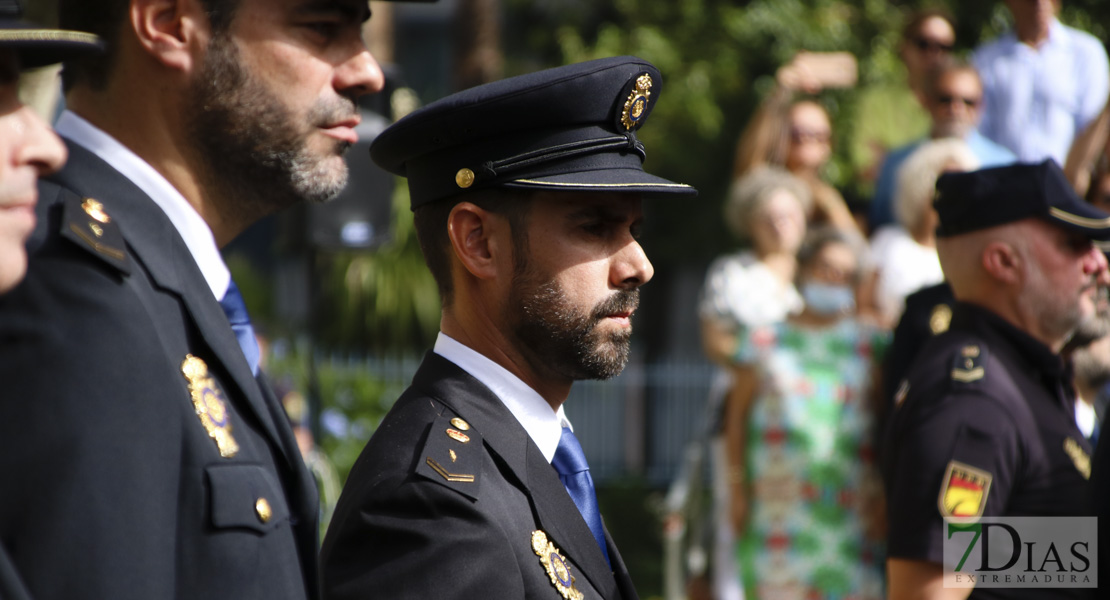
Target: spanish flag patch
963	492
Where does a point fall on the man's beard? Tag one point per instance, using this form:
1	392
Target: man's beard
1094	326
251	148
561	337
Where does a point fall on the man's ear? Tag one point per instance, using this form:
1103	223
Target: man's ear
479	240
1003	262
171	31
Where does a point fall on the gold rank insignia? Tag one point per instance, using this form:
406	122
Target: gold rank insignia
1078	456
458	436
940	318
968	365
963	493
209	405
636	106
556	565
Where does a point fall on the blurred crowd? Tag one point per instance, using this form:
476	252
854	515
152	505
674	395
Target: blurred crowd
799	315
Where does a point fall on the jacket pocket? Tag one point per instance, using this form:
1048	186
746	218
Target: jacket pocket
247	496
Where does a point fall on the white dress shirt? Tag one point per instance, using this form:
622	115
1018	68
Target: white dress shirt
188	222
544	426
1036	100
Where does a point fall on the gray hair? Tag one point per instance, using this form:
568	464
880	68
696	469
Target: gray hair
917	177
749	193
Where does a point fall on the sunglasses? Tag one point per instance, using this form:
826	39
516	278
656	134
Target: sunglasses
799	136
949	99
927	45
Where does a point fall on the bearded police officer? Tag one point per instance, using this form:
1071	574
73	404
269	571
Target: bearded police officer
527	200
984	423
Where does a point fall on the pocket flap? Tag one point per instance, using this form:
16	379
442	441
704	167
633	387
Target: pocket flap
246	496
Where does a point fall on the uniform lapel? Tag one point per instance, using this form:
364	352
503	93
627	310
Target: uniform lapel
155	242
507	439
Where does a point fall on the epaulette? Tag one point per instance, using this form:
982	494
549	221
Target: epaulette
85	223
452	455
967	364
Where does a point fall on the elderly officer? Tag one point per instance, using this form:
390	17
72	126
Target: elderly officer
984	422
28	150
527	200
141	457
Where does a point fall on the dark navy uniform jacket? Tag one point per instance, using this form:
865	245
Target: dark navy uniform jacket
426	515
112	485
988	404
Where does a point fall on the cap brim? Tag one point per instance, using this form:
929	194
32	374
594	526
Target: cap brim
631	181
1084	219
38	47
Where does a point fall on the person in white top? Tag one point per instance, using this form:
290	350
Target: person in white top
905	254
142	457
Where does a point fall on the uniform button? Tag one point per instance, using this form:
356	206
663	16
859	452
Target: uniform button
262	507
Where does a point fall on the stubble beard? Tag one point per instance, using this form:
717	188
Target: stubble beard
562	338
251	149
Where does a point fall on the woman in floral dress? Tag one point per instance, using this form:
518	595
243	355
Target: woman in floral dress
798	434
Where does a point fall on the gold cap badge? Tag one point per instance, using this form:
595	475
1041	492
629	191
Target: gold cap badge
209	405
636	106
555	565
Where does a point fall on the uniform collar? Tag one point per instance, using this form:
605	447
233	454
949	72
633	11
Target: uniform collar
186	220
1039	356
534	414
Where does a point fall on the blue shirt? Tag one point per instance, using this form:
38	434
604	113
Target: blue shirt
1037	100
989	154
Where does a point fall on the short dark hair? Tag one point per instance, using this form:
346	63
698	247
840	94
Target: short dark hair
917	19
430	223
107	19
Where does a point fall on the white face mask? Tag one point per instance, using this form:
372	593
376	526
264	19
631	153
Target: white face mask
828	299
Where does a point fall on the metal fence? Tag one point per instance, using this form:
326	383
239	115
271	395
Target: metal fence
637	424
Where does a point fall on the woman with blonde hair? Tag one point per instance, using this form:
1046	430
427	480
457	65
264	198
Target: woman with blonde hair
905	254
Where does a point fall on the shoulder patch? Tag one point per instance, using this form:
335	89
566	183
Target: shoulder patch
85	223
964	490
967	364
451	457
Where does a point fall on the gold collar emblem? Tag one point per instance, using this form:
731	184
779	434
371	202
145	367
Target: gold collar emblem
636	105
1078	456
556	565
209	405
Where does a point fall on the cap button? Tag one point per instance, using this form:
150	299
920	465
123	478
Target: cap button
262	508
464	178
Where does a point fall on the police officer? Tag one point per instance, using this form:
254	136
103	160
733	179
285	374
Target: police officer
527	200
984	422
142	456
28	150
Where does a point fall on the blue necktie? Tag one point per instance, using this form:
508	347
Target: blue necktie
570	462
236	311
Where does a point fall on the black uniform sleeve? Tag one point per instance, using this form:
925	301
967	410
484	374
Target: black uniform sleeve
957	457
84	438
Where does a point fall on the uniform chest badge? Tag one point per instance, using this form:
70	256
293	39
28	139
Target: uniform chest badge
209	404
1078	456
963	493
556	565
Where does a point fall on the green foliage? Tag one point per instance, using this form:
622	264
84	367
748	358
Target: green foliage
382	301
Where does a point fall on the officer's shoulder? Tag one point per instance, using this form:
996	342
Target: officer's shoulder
452	454
80	224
